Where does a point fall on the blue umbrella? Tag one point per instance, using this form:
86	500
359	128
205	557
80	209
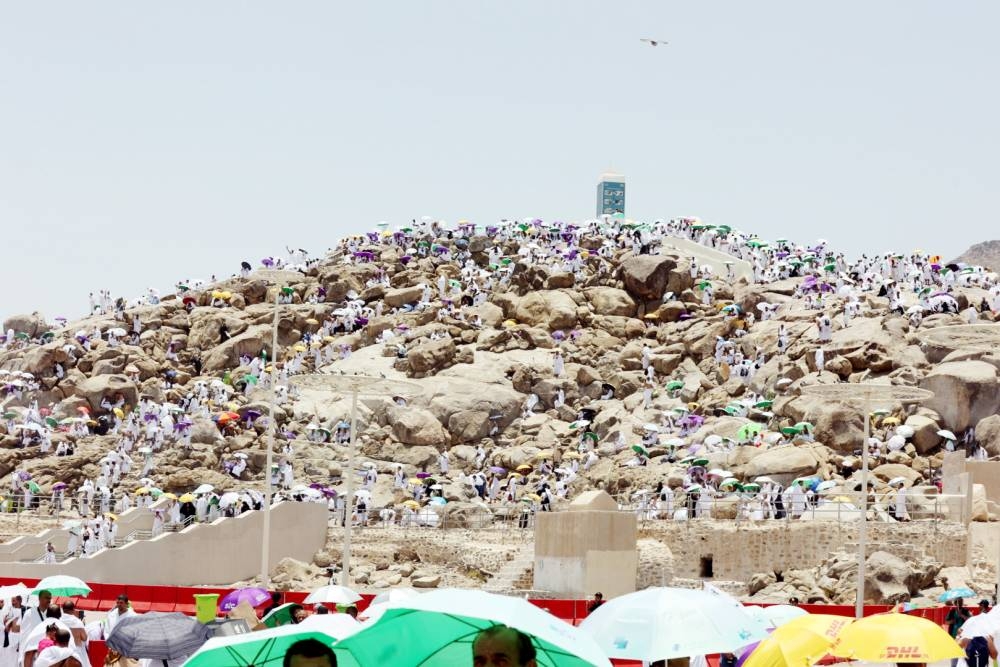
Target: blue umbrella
956	593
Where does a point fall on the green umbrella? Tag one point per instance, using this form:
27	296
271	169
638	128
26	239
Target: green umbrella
62	585
21	335
830	267
804	427
265	647
752	486
424	244
33	487
791	430
674	385
763	405
51	421
724	229
756	243
748	431
406	230
704	284
280	615
639	449
700	462
250	378
439	627
287	290
732	409
10	415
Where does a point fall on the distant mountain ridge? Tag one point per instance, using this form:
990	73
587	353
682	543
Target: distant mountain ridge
985	254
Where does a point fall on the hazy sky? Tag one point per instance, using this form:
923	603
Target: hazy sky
144	142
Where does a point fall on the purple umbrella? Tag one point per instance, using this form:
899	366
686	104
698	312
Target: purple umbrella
558	335
691	420
405	259
250	415
373	237
252	596
267	261
491	230
423	475
24	475
58	485
497	470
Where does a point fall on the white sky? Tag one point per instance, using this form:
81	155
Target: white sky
141	143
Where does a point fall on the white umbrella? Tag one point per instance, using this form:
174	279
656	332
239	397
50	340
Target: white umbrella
661	623
205	488
713	440
947	435
228	499
897	480
116	332
332	594
675	442
394	595
652	428
335	625
905	431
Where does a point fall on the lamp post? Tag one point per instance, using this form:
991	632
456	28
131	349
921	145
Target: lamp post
356	385
865	394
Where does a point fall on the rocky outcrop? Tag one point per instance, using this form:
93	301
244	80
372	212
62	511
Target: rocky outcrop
964	392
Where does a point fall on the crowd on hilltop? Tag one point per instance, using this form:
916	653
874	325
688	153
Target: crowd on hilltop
482	261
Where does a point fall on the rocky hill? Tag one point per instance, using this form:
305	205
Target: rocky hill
528	346
985	254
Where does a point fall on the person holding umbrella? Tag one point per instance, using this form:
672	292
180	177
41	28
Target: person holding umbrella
955	617
502	646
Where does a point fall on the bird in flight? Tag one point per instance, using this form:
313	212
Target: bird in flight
653	42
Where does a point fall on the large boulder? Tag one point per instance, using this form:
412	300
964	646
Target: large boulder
964	392
414	426
402	296
649	277
610	301
925	437
97	388
782	462
886	578
33	324
469	425
40	360
431	356
207	325
549	309
988	434
250	343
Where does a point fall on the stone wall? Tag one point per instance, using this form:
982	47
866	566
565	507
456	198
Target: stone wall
737	552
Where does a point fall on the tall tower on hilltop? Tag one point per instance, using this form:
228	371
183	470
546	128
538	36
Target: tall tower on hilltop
611	194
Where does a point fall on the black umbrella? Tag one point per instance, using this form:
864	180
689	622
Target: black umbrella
246	266
158	636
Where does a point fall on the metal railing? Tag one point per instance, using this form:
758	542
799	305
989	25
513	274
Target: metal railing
923	504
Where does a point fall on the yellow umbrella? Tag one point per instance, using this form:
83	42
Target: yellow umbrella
187	498
415	481
800	642
544	454
524	467
532	496
299	348
113	517
141	491
510	323
412	504
329	339
896	638
891	421
571	455
312	320
216	294
170	496
119	413
514	474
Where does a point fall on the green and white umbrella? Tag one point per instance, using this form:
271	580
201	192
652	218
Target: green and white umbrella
268	647
437	629
62	585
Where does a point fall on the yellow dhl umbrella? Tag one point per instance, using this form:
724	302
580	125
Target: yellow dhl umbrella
187	498
801	641
896	638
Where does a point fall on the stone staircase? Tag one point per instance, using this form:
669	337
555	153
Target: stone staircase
517	574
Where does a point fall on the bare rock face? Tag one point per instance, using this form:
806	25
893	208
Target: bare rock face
430	357
413	426
889	579
97	388
840	427
925	437
988	434
251	342
548	309
33	324
783	462
964	392
649	277
610	301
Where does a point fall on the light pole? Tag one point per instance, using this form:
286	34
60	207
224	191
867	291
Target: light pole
865	393
356	385
272	425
